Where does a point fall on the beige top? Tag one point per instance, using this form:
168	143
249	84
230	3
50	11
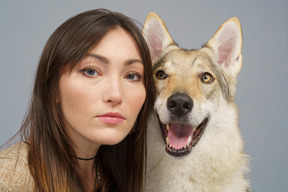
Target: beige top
14	172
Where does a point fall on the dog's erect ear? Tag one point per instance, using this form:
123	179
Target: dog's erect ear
156	35
227	44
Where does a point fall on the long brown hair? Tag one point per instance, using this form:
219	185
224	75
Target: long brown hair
50	148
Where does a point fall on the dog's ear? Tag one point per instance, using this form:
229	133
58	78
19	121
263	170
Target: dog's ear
227	44
156	35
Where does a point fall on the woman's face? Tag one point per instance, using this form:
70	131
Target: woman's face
102	96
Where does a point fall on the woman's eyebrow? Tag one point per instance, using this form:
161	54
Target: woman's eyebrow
107	61
99	57
131	61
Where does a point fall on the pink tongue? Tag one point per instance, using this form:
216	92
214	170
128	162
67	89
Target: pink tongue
178	135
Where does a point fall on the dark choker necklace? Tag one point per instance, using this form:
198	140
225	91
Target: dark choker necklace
83	159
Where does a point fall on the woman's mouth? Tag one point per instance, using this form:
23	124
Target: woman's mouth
111	118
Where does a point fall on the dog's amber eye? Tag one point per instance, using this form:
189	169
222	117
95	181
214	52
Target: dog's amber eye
161	75
207	78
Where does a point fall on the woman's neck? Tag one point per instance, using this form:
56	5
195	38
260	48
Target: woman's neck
87	172
86	159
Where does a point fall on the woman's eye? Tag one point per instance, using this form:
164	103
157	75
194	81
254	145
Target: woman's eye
90	72
161	75
207	78
134	76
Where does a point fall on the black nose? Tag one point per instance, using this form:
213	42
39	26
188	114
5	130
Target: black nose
180	104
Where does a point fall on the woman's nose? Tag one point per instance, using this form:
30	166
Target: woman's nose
113	93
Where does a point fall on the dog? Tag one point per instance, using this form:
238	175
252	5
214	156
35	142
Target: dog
194	142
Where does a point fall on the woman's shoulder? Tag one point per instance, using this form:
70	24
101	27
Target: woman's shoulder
14	150
14	170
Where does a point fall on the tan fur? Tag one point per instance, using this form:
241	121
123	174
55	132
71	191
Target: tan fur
217	162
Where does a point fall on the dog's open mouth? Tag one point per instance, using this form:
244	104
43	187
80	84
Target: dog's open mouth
180	137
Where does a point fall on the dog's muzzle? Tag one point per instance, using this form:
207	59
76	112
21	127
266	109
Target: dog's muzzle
178	134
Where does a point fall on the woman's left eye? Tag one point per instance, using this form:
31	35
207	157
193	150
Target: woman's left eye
90	72
134	76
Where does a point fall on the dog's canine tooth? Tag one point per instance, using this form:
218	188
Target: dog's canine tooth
167	140
189	140
167	127
169	145
194	129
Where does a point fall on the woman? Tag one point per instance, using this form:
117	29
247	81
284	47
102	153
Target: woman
93	87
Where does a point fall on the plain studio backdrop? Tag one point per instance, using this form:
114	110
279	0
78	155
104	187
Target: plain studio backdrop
262	83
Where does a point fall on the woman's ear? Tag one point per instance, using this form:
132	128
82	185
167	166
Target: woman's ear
57	97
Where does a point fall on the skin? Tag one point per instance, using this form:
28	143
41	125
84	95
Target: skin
102	96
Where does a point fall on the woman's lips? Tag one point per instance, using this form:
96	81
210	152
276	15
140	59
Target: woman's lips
111	118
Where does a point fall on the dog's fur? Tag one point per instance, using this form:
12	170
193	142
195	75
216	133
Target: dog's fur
195	88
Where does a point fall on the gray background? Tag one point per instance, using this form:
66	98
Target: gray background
262	84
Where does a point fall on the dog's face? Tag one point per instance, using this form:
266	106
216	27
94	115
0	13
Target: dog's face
187	88
191	84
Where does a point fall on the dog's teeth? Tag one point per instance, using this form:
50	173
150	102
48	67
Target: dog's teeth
167	127
194	129
189	140
167	140
169	145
